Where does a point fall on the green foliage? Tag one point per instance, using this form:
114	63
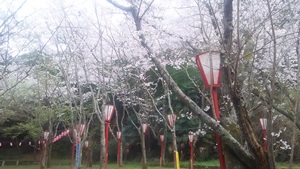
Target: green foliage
24	130
29	59
6	113
57	114
182	77
186	121
184	125
130	132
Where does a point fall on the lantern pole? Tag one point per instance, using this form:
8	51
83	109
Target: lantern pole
218	139
77	148
144	129
162	138
73	148
119	136
172	120
263	122
79	133
87	154
42	152
265	139
108	110
191	140
209	67
106	143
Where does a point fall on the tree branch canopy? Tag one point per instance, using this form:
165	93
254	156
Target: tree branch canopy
245	156
281	111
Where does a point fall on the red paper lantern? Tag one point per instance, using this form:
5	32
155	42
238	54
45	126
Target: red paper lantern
191	137
144	126
172	119
82	128
46	135
162	138
108	112
119	134
263	123
209	66
79	130
86	143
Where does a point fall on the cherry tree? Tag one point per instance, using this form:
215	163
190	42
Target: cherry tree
98	56
138	12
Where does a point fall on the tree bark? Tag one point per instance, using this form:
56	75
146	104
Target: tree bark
297	104
102	144
48	163
164	147
121	153
270	146
231	86
175	149
43	154
144	156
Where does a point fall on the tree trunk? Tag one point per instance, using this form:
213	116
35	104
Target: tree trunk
43	154
232	88
297	104
102	145
121	153
164	147
35	148
270	146
88	157
175	150
48	163
144	156
89	162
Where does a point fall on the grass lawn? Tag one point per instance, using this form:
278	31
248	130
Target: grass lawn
110	166
138	166
286	166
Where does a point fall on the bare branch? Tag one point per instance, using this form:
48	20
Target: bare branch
148	7
124	8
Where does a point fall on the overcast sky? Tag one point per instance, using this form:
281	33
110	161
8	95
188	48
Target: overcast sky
43	16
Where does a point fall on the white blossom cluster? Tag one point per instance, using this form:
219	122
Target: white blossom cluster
284	145
188	115
200	132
